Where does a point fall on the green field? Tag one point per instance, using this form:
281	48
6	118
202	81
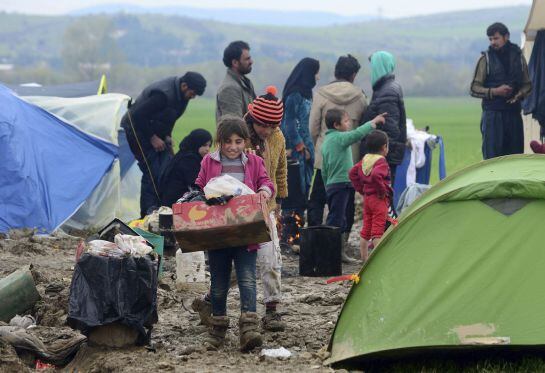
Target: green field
456	119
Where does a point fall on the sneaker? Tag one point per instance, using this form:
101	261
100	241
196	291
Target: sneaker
272	322
204	308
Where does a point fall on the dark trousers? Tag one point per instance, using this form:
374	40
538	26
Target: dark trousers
317	200
350	211
502	132
221	262
157	162
338	199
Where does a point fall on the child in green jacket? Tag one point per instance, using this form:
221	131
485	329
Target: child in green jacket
337	162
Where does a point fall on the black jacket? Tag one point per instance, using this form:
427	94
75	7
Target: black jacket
503	68
154	112
180	174
388	98
535	102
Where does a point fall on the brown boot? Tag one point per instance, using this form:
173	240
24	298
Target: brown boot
217	331
249	331
272	322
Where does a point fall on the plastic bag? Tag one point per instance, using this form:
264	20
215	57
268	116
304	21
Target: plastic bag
105	248
110	290
225	185
55	345
135	245
192	196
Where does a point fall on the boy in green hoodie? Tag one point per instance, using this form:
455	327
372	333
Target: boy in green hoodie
337	162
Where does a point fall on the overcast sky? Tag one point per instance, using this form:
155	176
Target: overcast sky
387	8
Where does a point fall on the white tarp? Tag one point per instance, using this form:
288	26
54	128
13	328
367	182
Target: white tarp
100	116
536	20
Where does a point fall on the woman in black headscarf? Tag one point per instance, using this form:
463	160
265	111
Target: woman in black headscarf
182	170
297	97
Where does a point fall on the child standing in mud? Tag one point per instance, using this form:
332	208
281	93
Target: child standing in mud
336	163
371	178
263	119
230	159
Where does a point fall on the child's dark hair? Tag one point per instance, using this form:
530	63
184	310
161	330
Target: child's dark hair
375	141
334	116
229	125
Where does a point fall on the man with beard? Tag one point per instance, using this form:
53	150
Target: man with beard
236	91
148	125
501	80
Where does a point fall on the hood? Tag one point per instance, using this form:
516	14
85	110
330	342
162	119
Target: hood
368	163
382	64
340	92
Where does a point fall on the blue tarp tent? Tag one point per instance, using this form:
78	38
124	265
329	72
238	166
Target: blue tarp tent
48	167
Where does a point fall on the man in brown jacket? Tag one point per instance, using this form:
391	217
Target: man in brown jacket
236	91
342	94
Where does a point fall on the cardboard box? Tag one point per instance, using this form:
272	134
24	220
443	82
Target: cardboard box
243	221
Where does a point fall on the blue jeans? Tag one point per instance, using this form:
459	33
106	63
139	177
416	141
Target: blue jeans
157	162
339	196
221	261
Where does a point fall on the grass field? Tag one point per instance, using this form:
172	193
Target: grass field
456	119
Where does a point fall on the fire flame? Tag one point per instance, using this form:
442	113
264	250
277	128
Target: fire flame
298	219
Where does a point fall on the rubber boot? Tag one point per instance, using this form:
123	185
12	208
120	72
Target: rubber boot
344	250
216	332
250	337
272	321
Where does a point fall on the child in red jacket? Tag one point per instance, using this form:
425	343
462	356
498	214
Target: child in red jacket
371	178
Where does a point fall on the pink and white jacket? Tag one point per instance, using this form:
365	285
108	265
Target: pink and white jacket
255	174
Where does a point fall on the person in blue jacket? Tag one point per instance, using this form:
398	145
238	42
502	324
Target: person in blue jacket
297	97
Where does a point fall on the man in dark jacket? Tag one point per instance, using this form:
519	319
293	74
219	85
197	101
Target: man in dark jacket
148	125
236	91
501	80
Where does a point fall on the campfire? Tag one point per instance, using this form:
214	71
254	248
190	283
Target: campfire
289	226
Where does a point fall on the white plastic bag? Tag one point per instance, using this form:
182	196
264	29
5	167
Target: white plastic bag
135	245
105	248
225	185
280	352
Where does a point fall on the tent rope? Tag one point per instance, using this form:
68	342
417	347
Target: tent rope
143	155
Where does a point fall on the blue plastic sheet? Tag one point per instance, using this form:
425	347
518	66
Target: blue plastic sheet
47	167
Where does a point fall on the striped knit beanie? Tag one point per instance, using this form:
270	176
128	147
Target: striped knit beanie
267	110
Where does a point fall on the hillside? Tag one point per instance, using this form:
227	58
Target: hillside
232	15
136	48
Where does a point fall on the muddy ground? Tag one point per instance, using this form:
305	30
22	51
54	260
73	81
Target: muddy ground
310	307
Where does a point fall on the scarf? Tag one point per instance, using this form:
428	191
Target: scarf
302	78
382	64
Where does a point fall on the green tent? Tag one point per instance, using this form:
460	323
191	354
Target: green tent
463	269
